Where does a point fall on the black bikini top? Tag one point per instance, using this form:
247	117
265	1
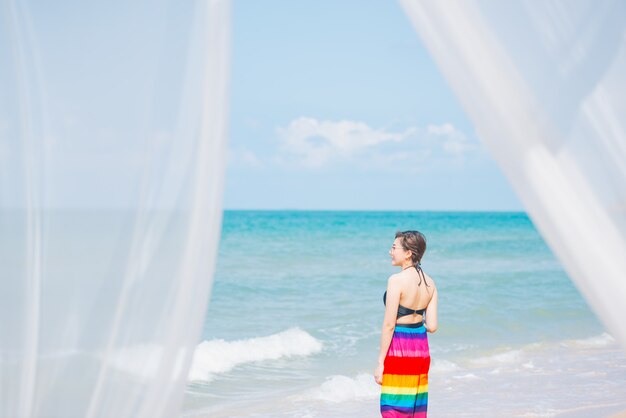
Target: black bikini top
403	310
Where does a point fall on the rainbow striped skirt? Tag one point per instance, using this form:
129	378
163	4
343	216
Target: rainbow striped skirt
405	375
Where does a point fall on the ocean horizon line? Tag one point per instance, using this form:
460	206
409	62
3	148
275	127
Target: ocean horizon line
450	211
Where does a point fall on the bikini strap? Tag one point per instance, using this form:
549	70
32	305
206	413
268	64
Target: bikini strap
420	273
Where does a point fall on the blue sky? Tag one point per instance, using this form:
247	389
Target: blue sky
337	105
333	105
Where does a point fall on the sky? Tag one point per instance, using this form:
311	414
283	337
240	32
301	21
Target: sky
338	106
334	105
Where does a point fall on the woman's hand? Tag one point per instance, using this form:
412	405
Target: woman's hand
378	374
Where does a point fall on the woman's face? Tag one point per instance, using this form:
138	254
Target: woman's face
398	254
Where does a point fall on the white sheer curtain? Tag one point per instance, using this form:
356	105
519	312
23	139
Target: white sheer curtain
544	83
112	150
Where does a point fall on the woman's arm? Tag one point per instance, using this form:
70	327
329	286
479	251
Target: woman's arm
431	313
389	324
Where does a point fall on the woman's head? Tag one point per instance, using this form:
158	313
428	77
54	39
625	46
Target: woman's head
413	242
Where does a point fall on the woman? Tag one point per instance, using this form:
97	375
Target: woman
404	358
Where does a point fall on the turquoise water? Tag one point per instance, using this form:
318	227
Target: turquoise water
294	319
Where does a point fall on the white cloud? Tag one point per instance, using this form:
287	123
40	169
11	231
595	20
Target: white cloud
315	142
242	156
454	141
312	143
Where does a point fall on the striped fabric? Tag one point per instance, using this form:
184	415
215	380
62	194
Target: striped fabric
405	375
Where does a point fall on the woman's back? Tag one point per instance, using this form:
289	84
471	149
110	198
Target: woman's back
416	290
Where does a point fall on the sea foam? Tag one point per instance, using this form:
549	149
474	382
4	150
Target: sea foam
219	356
340	388
603	340
511	356
443	366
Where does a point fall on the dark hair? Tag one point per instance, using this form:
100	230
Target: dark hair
415	242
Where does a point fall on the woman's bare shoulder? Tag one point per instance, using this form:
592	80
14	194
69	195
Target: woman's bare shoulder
430	281
394	278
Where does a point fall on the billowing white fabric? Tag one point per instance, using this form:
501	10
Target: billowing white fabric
112	151
544	83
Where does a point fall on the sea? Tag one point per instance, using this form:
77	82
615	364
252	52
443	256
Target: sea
293	324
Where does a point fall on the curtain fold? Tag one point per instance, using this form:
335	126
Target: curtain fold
544	84
113	124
